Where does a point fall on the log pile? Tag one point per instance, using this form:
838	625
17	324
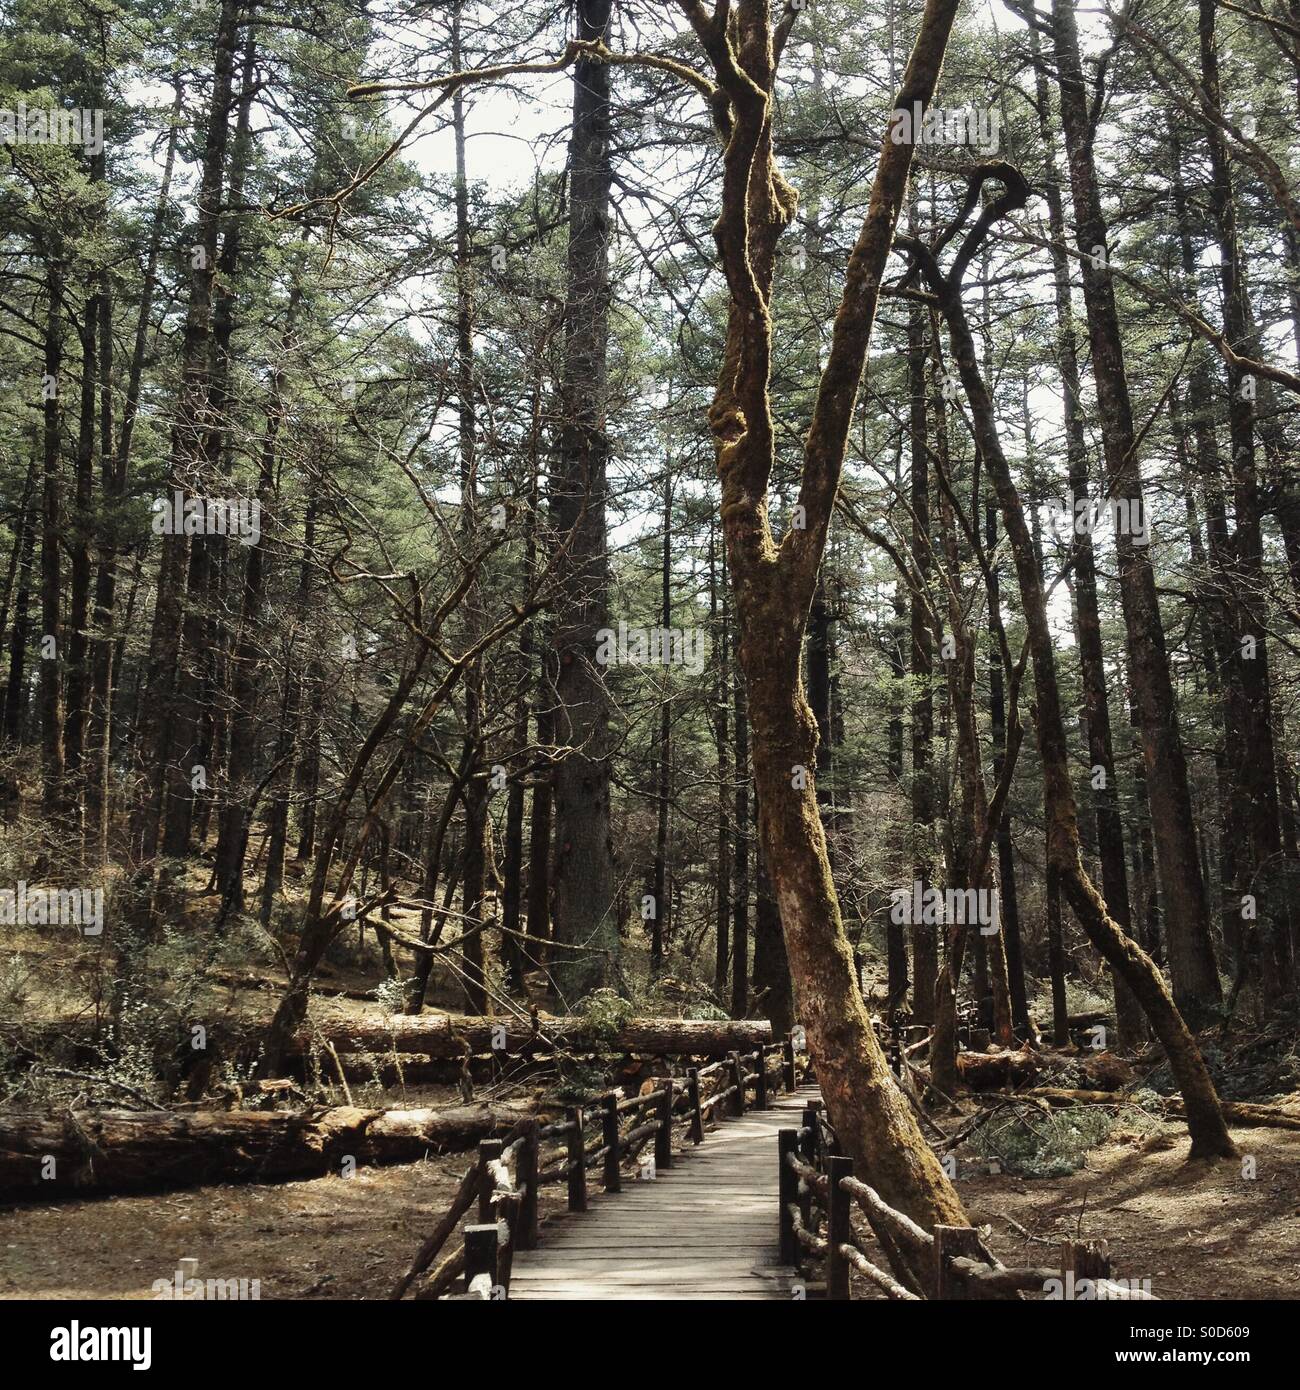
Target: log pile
72	1153
448	1037
983	1071
452	1035
47	1154
1235	1112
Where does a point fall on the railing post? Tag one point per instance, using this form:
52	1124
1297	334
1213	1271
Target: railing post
664	1134
509	1209
481	1255
609	1137
838	1229
808	1146
577	1160
788	1075
526	1181
738	1081
948	1242
813	1143
896	1041
787	1187
693	1095
488	1150
760	1099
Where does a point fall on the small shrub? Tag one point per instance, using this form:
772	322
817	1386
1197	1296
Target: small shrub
605	1013
1032	1143
581	1081
15	984
391	995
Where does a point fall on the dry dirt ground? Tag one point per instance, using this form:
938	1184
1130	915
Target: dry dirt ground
325	1238
1194	1231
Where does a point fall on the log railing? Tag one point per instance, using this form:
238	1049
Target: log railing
603	1135
817	1191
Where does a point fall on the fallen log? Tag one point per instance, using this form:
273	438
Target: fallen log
983	1071
449	1035
1064	1096
60	1154
1235	1112
446	1037
1247	1116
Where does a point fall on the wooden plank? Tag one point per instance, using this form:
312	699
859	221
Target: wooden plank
591	1294
704	1229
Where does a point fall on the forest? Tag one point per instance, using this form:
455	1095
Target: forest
650	649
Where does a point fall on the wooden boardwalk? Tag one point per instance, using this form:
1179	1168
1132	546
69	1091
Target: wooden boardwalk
705	1229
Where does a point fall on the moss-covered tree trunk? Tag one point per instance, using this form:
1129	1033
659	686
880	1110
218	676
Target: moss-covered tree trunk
1205	1121
774	585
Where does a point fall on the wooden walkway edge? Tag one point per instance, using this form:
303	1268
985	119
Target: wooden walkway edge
704	1229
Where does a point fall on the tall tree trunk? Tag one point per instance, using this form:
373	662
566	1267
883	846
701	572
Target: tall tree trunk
897	977
1009	901
115	466
538	906
722	746
474	877
155	735
1204	1117
584	906
24	550
990	951
52	652
1096	715
1187	925
521	955
659	895
740	850
1216	582
925	948
80	569
232	837
201	634
773	586
1249	667
969	815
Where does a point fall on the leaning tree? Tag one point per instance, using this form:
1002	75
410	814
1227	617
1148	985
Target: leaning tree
773	582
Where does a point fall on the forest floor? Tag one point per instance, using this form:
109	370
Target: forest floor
328	1238
1195	1231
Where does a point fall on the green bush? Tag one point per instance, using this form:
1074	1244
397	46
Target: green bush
604	1013
1034	1143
